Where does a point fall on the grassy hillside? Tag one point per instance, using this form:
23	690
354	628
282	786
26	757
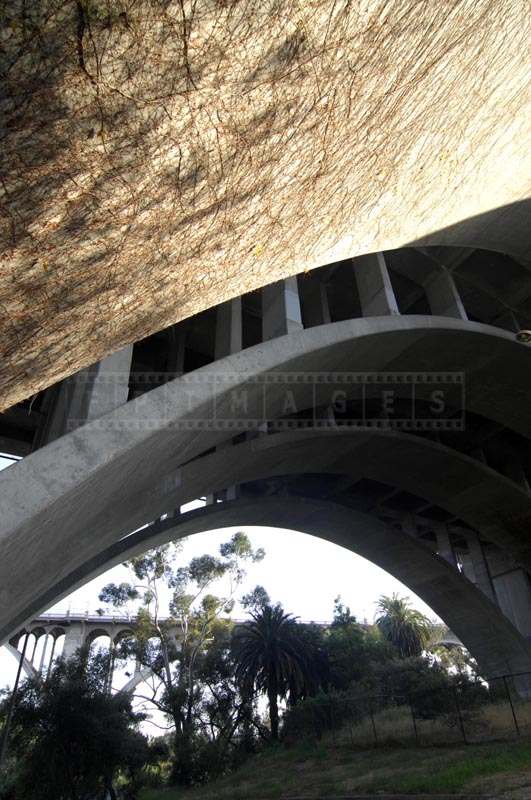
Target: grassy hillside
496	769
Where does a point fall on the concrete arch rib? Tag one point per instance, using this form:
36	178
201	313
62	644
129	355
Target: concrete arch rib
71	499
27	666
467	488
489	636
137	678
489	502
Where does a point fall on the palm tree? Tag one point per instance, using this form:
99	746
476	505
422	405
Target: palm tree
272	657
406	628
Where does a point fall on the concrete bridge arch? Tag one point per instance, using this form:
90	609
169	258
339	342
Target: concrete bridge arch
491	638
27	667
96	484
474	618
75	501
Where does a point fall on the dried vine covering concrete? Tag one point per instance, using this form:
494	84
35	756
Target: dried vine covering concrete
159	157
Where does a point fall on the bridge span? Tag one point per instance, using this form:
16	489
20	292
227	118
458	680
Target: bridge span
381	402
55	635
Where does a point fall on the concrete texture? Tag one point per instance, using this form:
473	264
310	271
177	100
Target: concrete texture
491	638
27	666
473	492
67	502
149	175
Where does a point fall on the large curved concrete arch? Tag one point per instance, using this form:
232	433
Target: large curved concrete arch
152	187
139	677
467	488
75	496
489	636
27	666
470	490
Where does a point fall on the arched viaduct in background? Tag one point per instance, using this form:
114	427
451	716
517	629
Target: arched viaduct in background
382	402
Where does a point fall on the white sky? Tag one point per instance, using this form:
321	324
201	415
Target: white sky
302	572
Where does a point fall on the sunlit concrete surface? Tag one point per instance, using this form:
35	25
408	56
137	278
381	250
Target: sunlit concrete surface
159	160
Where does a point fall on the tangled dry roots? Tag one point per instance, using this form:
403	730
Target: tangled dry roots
160	157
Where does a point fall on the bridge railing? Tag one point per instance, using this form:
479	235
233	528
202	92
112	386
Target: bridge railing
80	615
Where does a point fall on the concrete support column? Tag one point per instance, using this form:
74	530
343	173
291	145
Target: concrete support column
110	671
110	387
43	654
444	545
74	640
443	296
177	344
281	309
50	663
482	577
90	393
229	328
314	300
33	649
231	492
377	297
513	590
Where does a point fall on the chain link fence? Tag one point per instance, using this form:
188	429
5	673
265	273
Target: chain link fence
471	713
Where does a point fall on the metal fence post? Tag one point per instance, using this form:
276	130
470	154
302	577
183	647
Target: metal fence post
373	722
331	722
413	719
351	732
461	723
510	699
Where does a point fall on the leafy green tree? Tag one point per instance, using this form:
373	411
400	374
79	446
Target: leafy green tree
70	737
273	656
447	651
341	616
407	629
174	648
316	673
352	648
256	599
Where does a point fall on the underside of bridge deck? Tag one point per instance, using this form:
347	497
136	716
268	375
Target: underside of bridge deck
159	159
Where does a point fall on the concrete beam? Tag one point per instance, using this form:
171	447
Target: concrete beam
90	394
175	364
513	591
229	328
314	300
444	545
480	567
376	293
443	296
281	309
